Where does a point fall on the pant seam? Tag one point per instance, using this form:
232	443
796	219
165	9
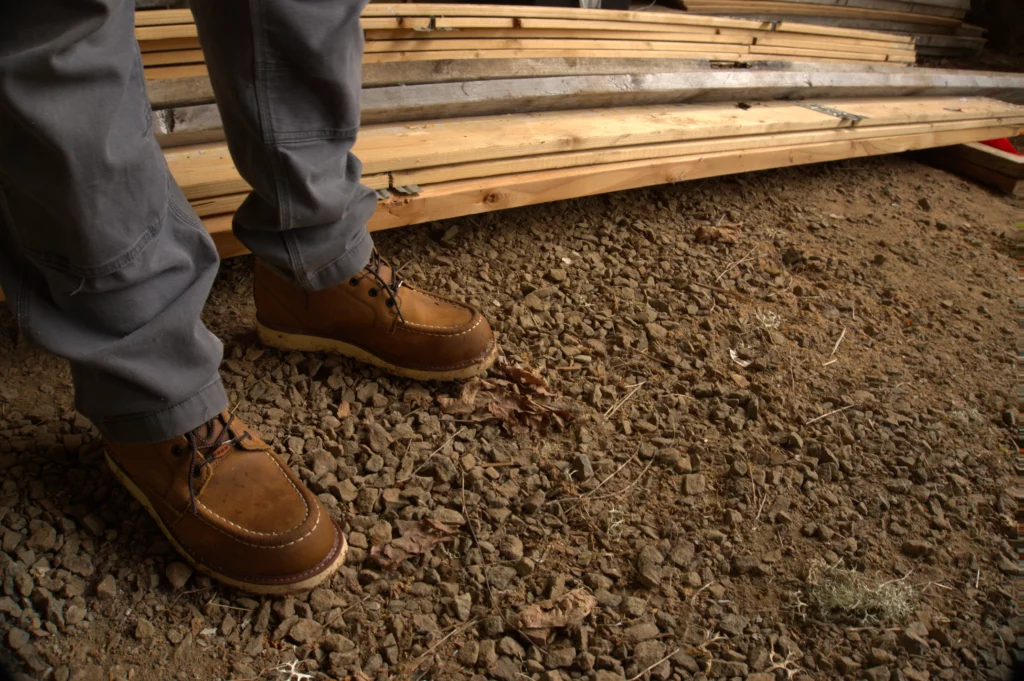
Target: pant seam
313	276
122	421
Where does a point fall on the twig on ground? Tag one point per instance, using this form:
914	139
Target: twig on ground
836	346
826	415
634	678
977	579
615	407
735	264
614	473
458	630
434	453
627	487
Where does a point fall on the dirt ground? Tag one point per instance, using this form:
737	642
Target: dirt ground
757	427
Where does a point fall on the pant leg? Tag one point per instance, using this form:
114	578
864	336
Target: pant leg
101	257
287	77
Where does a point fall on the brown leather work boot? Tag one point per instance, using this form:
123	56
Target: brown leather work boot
376	318
232	508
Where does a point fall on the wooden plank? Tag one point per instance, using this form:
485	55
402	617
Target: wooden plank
763	6
804	28
801	52
182	71
166	32
464	171
467	197
892	28
474	22
391	57
1003	162
162	17
530	44
168	44
963	167
172	57
832	43
597	25
891	5
229	203
447	39
524	12
382	23
389	149
172	92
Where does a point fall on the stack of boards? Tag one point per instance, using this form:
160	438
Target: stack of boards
936	26
994	167
427	32
447	136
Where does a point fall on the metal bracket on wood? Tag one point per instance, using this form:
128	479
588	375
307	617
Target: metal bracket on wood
409	189
383	194
830	111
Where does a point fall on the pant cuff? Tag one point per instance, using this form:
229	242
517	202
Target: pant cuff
344	267
168	423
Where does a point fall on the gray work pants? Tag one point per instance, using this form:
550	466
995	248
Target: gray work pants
101	257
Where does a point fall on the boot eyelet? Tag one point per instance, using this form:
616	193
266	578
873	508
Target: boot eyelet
353	281
372	292
389	302
177	450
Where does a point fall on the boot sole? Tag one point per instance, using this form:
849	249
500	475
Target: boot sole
252	587
303	343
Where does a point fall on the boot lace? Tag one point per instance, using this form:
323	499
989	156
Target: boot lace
202	445
390	288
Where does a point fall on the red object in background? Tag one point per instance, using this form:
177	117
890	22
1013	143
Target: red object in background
1002	144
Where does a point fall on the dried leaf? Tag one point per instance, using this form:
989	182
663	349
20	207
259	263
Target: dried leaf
522	376
417	538
568	611
464	404
715	235
736	358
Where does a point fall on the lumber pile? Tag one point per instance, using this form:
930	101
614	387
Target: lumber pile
470	109
994	167
442	169
426	32
936	26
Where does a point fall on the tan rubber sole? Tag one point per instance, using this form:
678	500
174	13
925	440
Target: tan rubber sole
256	588
303	343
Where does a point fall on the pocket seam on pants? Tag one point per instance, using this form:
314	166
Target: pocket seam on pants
61	264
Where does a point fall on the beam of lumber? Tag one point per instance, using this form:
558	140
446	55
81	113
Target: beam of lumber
644	46
181	71
845	44
389	148
208	171
890	5
524	12
468	197
966	42
229	203
947	159
894	28
715	54
802	52
1003	162
163	17
169	44
823	29
190	125
172	57
376	41
762	6
166	32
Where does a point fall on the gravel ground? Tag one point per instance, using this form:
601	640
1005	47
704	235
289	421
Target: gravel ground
756	428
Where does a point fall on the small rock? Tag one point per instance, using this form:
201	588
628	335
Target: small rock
177	574
648	653
468	654
733	624
917	548
877	674
644	631
722	669
694	484
607	675
505	669
106	590
17	638
656	332
305	631
924	203
463	606
509	646
322	600
336	643
648	567
557	275
582	468
144	629
915	638
560	658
